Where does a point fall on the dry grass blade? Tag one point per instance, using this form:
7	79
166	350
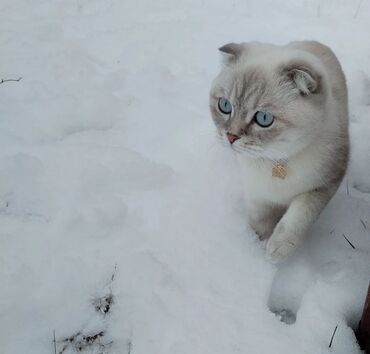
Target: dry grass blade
349	242
332	337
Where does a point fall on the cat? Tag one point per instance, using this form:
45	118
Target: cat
284	111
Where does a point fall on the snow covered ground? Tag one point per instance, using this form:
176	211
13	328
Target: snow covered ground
121	217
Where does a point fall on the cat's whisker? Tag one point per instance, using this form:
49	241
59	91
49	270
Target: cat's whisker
250	152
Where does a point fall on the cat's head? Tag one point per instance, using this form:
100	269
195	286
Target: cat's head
268	101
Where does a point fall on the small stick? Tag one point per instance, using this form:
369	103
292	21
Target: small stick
347	187
350	243
332	337
55	343
7	80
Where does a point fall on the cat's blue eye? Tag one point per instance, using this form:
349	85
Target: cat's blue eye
263	119
224	105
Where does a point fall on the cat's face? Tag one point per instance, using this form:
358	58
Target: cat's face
270	107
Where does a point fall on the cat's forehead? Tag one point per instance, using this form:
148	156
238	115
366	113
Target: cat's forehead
243	82
250	86
236	78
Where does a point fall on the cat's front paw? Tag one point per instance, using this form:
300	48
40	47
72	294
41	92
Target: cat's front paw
280	246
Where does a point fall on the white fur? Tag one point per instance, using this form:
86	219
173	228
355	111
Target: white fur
315	151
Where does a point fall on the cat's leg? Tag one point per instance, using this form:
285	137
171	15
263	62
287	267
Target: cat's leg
291	229
264	217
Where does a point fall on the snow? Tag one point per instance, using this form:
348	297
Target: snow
109	159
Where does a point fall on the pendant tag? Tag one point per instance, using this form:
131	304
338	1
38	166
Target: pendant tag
279	171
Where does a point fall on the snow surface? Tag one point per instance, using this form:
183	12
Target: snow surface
108	158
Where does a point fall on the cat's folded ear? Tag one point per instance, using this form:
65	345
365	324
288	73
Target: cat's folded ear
231	52
302	76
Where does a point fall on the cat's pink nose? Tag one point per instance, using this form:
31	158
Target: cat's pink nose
232	137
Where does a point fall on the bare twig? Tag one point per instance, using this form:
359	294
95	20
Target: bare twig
332	337
7	80
347	187
350	243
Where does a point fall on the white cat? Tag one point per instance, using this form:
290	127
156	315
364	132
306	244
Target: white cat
283	110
